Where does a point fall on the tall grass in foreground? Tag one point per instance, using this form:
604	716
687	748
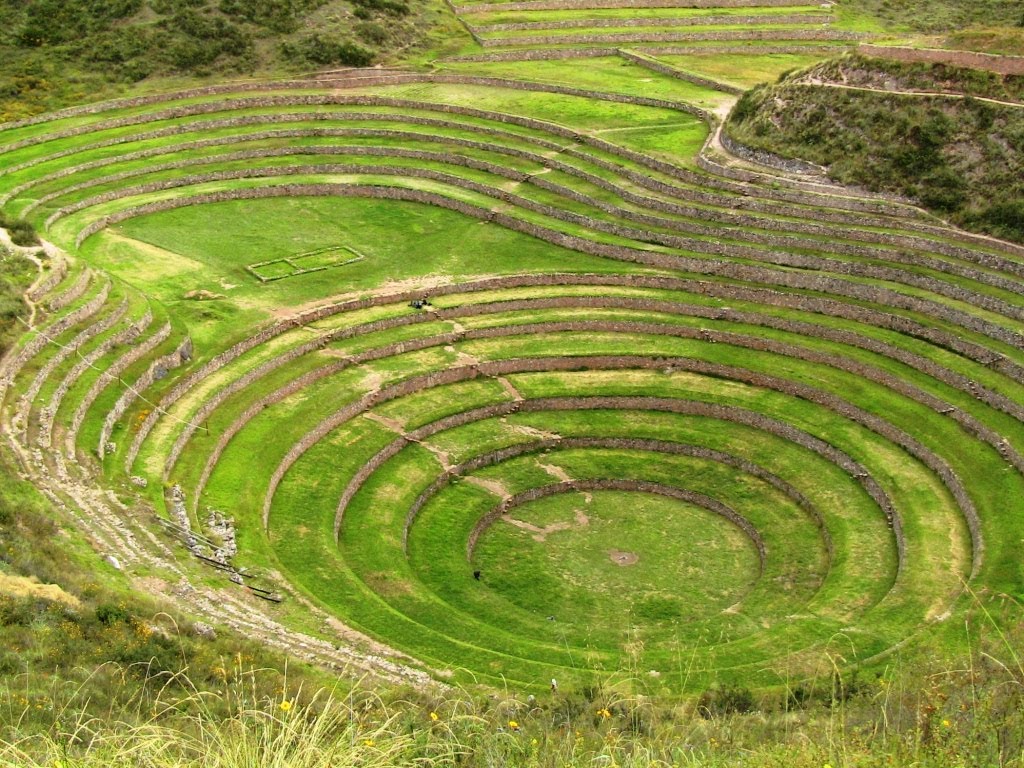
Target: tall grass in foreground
922	711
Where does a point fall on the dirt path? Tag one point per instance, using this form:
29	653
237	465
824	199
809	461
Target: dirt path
920	94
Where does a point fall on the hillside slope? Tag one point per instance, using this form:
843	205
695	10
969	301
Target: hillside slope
941	136
55	52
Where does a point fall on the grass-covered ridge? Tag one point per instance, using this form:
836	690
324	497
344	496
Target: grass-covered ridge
888	126
57	52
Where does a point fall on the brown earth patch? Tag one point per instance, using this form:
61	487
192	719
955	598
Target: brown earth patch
623	558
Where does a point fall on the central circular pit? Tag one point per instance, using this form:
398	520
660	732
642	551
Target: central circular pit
686	562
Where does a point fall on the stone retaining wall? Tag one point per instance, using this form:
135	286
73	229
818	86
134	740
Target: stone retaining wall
72	293
761	157
675	21
1003	65
826	400
44	336
813	282
114	373
667	69
838	362
156	370
685	407
940	287
125	336
573	5
449	158
63	353
688	176
640	486
675	37
616	443
541	54
58	269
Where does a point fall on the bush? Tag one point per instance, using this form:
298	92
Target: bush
276	15
323	51
52	22
109	614
21	232
394	7
725	701
372	32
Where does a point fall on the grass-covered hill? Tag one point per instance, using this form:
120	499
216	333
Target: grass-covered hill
55	52
947	137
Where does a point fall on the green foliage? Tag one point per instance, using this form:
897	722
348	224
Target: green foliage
940	15
323	51
394	7
52	22
206	40
725	701
54	53
22	232
276	15
947	153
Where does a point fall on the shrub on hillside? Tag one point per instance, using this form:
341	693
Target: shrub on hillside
21	231
946	153
52	22
324	51
276	15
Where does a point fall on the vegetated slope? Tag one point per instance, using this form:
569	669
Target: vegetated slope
74	641
942	15
60	51
949	152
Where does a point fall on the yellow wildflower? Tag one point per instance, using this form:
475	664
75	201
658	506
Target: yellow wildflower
603	712
433	717
368	742
286	706
513	725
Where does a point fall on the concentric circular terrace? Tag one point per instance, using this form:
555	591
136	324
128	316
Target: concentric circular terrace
514	378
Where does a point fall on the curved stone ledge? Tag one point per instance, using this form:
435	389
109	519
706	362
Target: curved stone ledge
542	54
873	294
157	369
801	303
838	362
557	443
689	176
686	193
1004	65
649	306
666	69
58	270
73	291
125	336
111	374
826	400
49	333
732	414
675	37
739	250
64	353
581	5
745	190
671	21
323	100
608	484
760	157
757	274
